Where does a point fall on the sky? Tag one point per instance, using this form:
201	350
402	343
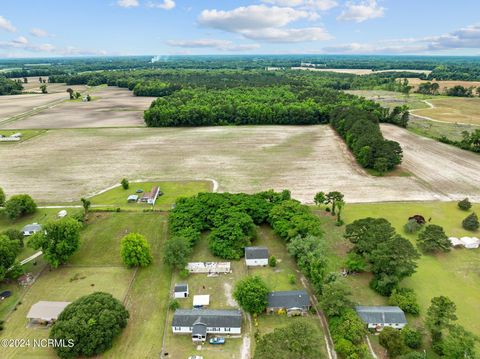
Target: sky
44	28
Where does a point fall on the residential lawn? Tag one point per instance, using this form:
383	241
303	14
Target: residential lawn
26	135
64	284
117	197
148	298
455	274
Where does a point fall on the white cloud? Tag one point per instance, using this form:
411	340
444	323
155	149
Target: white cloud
223	45
38	32
361	11
166	5
464	38
322	5
6	25
289	35
128	3
265	23
21	40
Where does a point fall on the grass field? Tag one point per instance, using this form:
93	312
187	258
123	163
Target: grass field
436	129
392	99
117	197
453	109
97	267
455	274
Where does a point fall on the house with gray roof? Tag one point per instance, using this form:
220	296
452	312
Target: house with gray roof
293	302
201	322
256	256
31	229
45	312
379	317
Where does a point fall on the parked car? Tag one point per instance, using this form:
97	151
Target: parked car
217	340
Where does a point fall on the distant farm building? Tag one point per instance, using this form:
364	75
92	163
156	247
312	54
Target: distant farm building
200	322
256	256
379	317
470	242
45	313
151	197
209	267
132	198
12	138
293	302
62	213
180	291
30	229
201	301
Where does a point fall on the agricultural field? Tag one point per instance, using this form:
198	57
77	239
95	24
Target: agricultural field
88	272
111	107
444	84
358	71
303	159
33	86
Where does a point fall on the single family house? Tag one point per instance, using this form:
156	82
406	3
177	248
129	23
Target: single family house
31	229
256	256
200	322
293	302
45	312
379	317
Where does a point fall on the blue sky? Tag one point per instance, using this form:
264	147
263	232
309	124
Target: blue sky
32	28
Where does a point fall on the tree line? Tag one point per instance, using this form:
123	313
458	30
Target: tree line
9	87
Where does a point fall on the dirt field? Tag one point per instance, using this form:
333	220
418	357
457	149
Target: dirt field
453	109
69	164
112	107
444	84
33	85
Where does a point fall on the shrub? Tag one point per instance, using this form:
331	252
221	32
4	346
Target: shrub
391	339
251	294
20	205
355	263
15	235
92	322
292	279
464	204
2	197
471	222
433	239
184	273
125	184
413	355
173	305
412	226
272	261
135	251
411	338
406	299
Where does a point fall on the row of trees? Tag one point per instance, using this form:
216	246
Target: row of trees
470	141
433	88
363	136
9	87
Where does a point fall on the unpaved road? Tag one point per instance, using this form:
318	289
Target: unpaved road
64	165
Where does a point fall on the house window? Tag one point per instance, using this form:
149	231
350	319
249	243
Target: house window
227	329
177	328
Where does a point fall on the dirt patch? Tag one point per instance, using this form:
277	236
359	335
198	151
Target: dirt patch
228	294
112	107
245	353
69	164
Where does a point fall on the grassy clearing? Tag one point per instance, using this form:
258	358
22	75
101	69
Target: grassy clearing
455	274
435	129
453	109
392	99
66	284
26	135
117	197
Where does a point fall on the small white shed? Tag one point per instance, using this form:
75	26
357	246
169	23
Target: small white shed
200	301
256	256
180	291
470	243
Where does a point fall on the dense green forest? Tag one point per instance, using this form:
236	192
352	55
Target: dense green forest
9	87
442	67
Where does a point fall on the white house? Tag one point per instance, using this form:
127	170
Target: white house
201	322
256	256
31	229
379	317
180	291
200	301
470	242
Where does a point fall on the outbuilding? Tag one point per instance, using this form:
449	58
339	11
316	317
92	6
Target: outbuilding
293	302
256	256
201	322
62	213
132	198
379	317
470	242
180	291
201	301
45	312
31	229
